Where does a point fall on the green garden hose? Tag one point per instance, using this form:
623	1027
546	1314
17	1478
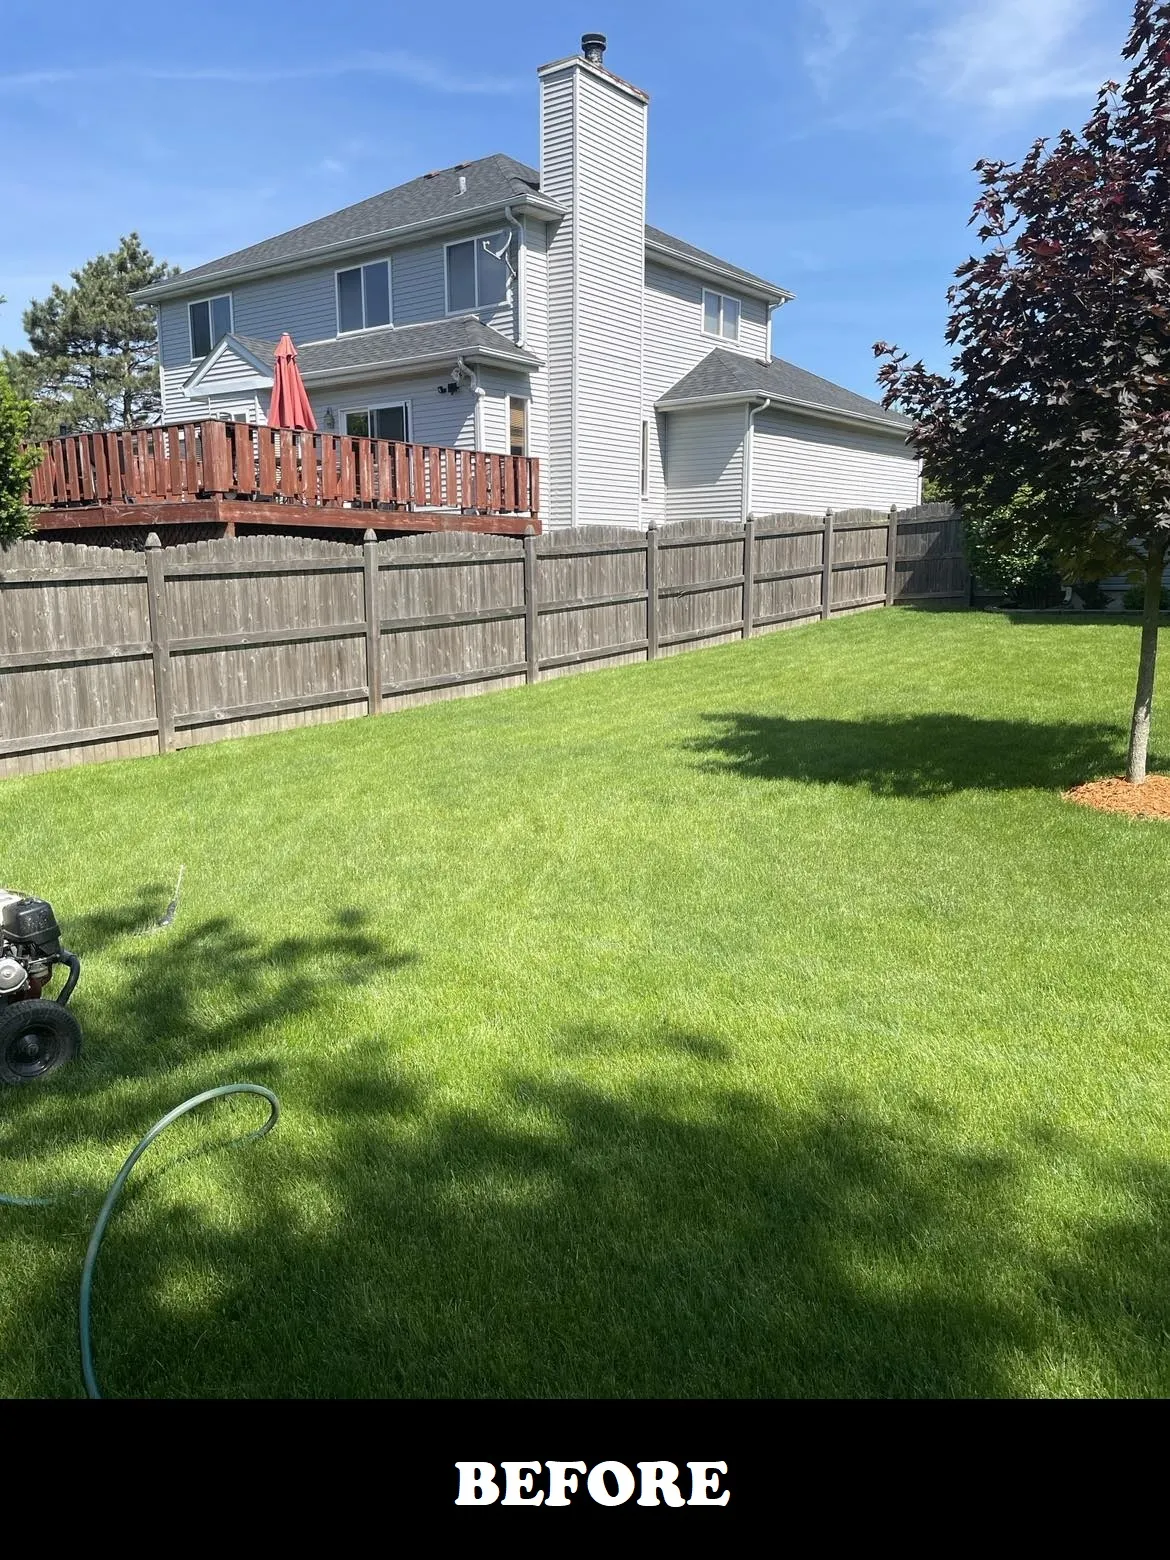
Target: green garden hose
115	1191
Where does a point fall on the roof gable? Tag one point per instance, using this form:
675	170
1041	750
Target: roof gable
238	357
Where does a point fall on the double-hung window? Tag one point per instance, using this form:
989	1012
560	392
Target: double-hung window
210	320
477	272
381	422
363	297
720	315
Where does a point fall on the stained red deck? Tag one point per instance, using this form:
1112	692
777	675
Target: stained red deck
236	473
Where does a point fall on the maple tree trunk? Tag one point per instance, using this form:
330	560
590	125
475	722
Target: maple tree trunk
1139	731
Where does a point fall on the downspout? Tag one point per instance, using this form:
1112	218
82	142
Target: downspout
753	413
477	413
518	275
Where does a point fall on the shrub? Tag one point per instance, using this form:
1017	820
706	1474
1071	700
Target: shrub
1134	599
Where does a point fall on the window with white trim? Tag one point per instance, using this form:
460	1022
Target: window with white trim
478	270
363	297
381	422
517	425
210	320
720	315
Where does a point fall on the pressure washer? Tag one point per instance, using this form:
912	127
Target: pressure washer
36	1035
39	1034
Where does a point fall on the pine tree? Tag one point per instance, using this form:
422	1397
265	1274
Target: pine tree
92	361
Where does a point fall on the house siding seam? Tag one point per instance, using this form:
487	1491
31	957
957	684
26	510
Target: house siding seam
807	466
705	465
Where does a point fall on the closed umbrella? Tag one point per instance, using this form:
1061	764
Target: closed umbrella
289	407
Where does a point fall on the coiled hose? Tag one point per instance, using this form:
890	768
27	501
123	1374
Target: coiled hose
89	1375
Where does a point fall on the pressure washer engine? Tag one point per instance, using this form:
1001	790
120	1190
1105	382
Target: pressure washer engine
37	1034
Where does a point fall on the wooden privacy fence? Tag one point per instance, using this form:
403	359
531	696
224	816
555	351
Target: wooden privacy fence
106	653
196	461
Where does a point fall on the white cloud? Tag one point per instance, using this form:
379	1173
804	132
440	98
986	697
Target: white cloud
838	27
403	67
1003	55
996	59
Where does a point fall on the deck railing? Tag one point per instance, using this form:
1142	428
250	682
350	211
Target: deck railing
216	459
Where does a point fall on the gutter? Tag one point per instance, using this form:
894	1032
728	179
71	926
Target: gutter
322	376
185	283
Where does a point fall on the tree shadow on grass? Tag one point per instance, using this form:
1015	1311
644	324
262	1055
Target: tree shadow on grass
564	1239
922	756
182	998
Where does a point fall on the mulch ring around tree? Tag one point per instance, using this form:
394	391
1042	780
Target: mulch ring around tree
1149	800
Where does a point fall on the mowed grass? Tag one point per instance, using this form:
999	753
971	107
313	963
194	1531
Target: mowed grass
756	1022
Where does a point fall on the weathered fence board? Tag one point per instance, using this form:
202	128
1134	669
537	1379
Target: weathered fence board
105	653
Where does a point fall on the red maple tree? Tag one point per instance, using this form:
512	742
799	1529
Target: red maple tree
1060	384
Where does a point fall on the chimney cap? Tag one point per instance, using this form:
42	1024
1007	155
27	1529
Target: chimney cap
593	47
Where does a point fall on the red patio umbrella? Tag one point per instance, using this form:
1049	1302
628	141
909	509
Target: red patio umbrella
289	407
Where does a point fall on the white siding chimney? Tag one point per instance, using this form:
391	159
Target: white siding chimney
593	162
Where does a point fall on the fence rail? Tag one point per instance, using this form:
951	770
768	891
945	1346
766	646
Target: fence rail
196	461
105	653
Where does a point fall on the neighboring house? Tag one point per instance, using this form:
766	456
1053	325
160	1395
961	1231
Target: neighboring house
494	306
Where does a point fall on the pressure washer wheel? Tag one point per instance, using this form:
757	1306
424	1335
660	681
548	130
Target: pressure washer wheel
36	1038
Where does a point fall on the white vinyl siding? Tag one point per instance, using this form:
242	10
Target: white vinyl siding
705	464
593	160
675	344
230	372
499	384
237	408
558	143
809	465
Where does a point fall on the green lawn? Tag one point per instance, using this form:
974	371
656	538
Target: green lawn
756	1022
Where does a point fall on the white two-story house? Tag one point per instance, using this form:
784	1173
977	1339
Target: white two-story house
501	307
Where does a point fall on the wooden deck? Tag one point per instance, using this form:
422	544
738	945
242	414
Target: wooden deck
231	474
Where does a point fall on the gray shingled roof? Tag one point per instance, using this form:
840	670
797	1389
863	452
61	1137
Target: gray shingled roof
397	346
724	373
497	180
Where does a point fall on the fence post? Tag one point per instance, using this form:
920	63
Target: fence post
652	591
373	622
892	556
531	612
827	567
749	575
156	606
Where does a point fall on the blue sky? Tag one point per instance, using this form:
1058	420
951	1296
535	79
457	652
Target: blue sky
826	144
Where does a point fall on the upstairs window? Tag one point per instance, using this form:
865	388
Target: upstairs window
477	273
211	321
363	297
720	315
